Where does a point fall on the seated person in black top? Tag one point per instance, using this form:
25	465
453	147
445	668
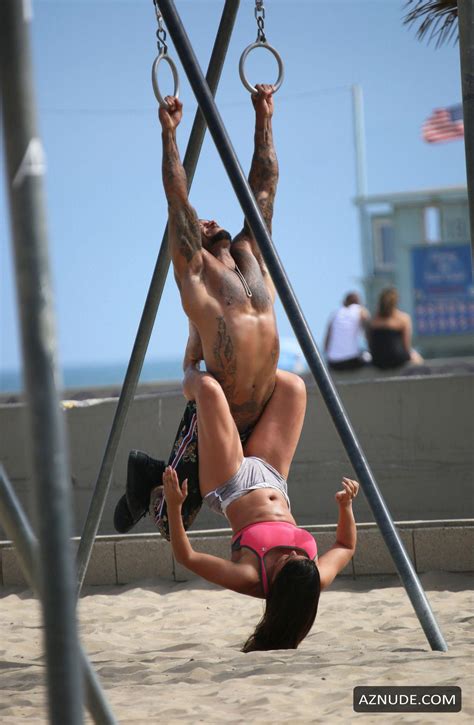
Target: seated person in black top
390	334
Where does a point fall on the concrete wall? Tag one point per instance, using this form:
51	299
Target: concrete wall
431	546
416	434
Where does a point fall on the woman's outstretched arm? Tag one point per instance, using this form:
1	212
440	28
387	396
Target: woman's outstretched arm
334	560
240	578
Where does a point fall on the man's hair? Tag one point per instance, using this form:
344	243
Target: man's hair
291	608
351	298
387	301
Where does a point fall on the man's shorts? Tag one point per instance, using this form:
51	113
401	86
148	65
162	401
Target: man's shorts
184	458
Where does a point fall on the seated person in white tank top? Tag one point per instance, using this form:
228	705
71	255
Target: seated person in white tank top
342	343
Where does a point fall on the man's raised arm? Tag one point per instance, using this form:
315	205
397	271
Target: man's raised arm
184	233
263	176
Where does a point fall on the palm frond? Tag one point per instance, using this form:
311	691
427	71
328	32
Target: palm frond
438	19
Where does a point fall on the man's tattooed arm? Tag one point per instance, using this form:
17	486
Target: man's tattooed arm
184	234
174	175
263	177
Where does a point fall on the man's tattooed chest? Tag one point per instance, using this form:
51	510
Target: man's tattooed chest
234	293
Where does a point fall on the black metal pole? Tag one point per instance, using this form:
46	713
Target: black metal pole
341	421
466	49
153	299
19	531
25	167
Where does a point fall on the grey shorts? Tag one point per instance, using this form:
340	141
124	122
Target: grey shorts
253	473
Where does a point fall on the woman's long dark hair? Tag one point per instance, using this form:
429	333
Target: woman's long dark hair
387	302
292	604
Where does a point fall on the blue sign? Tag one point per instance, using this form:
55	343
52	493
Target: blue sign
443	290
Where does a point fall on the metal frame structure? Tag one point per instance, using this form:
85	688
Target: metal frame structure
19	531
153	299
25	169
66	661
301	329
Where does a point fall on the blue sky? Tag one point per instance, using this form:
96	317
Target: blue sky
98	122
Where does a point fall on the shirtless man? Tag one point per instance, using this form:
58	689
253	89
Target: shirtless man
226	292
225	288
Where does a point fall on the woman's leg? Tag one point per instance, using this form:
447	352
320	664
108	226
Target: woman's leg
278	430
416	358
220	449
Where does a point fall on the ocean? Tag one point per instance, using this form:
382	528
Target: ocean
92	376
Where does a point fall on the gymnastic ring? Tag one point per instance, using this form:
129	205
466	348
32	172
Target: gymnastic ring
243	58
154	78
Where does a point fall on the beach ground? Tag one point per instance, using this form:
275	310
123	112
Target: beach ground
170	652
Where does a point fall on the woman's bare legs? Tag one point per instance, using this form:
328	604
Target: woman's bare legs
220	449
278	429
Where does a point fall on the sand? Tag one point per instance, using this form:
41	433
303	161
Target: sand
169	652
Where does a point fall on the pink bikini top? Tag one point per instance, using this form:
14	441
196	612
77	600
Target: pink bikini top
266	535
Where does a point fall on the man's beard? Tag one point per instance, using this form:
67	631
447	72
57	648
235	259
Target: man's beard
220	236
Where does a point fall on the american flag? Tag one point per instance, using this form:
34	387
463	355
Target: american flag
444	124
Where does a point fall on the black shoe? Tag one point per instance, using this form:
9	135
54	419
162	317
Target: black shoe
143	475
123	520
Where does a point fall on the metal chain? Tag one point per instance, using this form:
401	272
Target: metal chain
260	18
161	32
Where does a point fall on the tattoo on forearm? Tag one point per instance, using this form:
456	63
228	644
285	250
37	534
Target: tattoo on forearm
184	231
263	177
174	175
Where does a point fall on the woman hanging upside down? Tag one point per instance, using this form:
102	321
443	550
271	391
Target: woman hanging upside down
271	557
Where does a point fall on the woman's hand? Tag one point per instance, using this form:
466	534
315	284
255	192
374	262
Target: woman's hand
174	495
350	491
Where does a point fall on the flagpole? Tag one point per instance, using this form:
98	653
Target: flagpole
359	140
466	48
361	172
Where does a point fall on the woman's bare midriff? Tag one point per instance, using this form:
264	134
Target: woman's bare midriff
263	504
